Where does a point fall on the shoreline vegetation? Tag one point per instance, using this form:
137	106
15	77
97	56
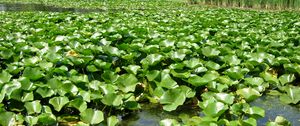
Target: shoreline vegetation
257	5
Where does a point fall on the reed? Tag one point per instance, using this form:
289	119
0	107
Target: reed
264	4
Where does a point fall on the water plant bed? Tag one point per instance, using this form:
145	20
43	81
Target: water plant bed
102	68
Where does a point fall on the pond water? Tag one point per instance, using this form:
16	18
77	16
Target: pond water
150	115
273	107
42	7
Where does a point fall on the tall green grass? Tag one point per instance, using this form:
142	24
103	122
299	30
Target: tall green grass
265	4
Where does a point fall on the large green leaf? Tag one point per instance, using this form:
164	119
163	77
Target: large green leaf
33	73
127	82
172	98
92	116
46	119
225	98
112	121
7	119
215	109
249	94
237	72
79	104
286	78
208	51
292	95
33	107
193	63
199	81
4	77
112	99
59	102
167	81
256	112
169	122
271	78
231	60
152	60
255	81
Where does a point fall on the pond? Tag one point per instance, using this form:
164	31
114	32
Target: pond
274	107
42	7
150	115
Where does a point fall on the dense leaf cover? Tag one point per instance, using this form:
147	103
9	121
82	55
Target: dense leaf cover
97	65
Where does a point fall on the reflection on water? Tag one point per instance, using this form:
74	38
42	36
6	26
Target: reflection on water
273	107
150	115
42	7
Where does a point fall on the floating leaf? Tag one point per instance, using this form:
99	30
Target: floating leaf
193	63
46	119
256	112
92	116
225	98
167	81
33	107
212	65
58	102
172	99
169	122
112	99
286	78
79	104
215	109
4	77
112	121
249	94
33	73
255	81
127	82
152	60
7	119
291	96
209	52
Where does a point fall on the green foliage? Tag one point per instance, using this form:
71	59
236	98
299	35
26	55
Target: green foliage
219	60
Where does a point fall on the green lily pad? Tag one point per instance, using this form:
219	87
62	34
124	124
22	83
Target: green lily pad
291	96
209	52
33	107
249	94
286	78
4	77
152	60
225	98
127	82
169	122
172	98
167	81
79	104
112	121
59	102
7	118
91	116
215	109
112	99
33	73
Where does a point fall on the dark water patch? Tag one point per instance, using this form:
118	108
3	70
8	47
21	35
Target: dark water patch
273	107
42	7
152	114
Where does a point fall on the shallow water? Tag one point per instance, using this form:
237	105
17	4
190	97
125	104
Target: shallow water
273	107
150	115
42	7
